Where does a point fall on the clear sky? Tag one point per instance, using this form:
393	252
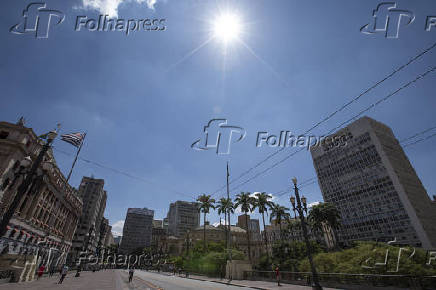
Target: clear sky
144	98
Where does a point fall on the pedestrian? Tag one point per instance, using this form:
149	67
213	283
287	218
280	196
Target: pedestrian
131	271
64	272
40	271
278	275
79	269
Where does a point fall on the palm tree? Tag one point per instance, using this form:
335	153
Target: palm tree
225	206
325	213
246	202
262	203
280	214
316	218
206	203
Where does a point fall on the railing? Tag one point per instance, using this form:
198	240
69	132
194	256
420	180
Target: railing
6	275
338	279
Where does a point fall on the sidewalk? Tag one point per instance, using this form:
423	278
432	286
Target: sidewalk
99	280
262	285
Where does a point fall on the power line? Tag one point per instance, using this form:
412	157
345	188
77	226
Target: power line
123	173
395	71
420	140
419	77
304	184
417	134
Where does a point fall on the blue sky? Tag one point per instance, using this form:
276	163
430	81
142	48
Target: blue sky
144	98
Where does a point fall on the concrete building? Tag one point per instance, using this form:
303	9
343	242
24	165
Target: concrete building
47	215
109	239
158	224
182	216
117	240
87	236
218	234
165	224
137	230
253	226
369	178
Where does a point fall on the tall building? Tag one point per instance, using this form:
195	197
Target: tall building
182	216
137	230
48	213
371	181
158	224
88	232
117	240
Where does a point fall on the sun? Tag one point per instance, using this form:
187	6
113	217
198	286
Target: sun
227	27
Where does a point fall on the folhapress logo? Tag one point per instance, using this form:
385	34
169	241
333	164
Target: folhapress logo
37	20
388	19
218	135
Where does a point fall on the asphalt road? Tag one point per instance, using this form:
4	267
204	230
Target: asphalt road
166	282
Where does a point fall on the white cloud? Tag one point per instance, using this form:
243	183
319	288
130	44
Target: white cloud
110	7
272	196
117	228
313	203
223	222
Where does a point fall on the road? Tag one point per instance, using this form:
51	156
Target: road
170	282
116	280
143	280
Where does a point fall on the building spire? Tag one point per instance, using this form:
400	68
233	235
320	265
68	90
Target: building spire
21	121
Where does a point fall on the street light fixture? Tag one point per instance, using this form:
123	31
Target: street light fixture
24	186
301	208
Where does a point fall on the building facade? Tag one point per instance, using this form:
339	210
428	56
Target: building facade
137	230
182	216
89	230
47	215
253	226
371	181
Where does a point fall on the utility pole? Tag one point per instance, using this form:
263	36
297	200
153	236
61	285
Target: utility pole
229	227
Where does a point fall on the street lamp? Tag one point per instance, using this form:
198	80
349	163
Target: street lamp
301	208
24	186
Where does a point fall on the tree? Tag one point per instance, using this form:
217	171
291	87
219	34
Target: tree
246	202
206	203
225	206
280	214
316	218
262	203
325	213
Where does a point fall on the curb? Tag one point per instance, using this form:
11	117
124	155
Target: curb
225	283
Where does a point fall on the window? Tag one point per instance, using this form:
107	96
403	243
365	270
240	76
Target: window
4	134
5	184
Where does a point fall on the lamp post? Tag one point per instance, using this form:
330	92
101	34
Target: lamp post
22	189
301	208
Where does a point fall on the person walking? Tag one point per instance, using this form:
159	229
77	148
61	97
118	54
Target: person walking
64	273
79	269
131	271
278	275
52	270
40	271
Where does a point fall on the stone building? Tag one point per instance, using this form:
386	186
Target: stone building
45	221
372	183
137	230
253	226
182	216
88	232
218	234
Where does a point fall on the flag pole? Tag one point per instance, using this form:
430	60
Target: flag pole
75	159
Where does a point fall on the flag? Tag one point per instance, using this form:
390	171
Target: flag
74	139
